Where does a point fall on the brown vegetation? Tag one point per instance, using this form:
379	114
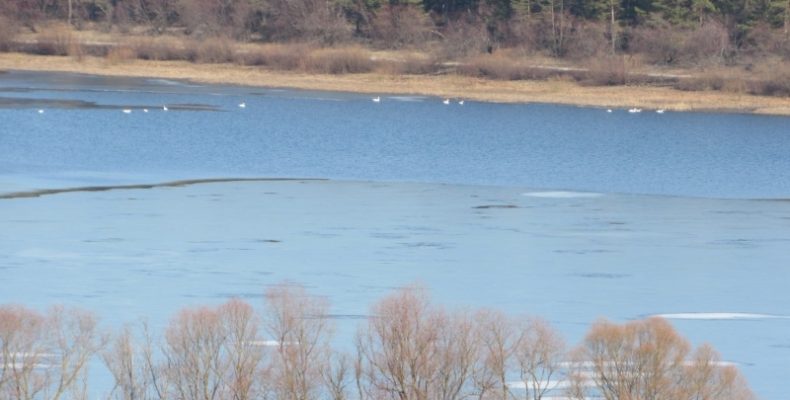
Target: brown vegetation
649	360
45	356
409	349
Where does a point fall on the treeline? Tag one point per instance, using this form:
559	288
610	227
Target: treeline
407	349
665	31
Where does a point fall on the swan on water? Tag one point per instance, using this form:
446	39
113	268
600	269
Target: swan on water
376	99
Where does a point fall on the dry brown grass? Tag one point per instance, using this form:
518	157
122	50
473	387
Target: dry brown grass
160	48
7	33
503	67
57	40
121	54
346	60
276	56
550	91
214	51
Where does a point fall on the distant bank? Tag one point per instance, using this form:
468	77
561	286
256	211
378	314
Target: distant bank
448	86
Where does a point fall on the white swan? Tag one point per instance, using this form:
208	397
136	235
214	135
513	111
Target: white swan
242	105
376	99
660	111
145	110
127	111
635	110
460	102
164	108
608	110
40	111
446	101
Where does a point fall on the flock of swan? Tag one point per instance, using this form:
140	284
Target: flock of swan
446	101
377	99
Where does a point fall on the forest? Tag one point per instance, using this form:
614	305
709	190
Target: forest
562	28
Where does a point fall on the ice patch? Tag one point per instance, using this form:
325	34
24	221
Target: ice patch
563	195
721	316
407	98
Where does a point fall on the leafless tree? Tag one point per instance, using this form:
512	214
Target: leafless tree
706	377
337	376
300	326
648	359
244	354
126	359
193	353
500	339
397	347
539	356
46	356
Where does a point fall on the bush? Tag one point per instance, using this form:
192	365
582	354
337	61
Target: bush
57	40
216	50
121	54
160	48
350	60
275	56
606	71
661	45
411	64
497	66
7	33
772	79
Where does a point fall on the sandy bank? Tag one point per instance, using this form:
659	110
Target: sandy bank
453	86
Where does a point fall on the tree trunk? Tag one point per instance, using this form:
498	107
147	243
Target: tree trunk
70	12
612	27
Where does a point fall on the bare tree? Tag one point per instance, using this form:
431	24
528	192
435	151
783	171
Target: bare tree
457	352
648	359
46	356
500	339
397	347
193	353
539	355
337	376
299	325
241	325
22	353
706	377
126	360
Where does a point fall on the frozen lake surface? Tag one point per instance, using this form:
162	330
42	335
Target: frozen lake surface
567	213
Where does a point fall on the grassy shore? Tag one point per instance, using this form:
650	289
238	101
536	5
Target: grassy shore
450	85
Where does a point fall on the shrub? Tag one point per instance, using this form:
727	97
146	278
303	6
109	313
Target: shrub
159	48
7	33
121	54
216	50
606	71
350	60
497	66
275	56
660	45
410	64
56	40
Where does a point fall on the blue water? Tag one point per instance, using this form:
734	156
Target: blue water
343	136
608	215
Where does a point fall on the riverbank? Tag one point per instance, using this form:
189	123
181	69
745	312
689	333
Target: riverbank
450	85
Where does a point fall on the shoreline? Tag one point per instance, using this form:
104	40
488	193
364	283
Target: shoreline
449	86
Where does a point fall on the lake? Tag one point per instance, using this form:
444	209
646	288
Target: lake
564	212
